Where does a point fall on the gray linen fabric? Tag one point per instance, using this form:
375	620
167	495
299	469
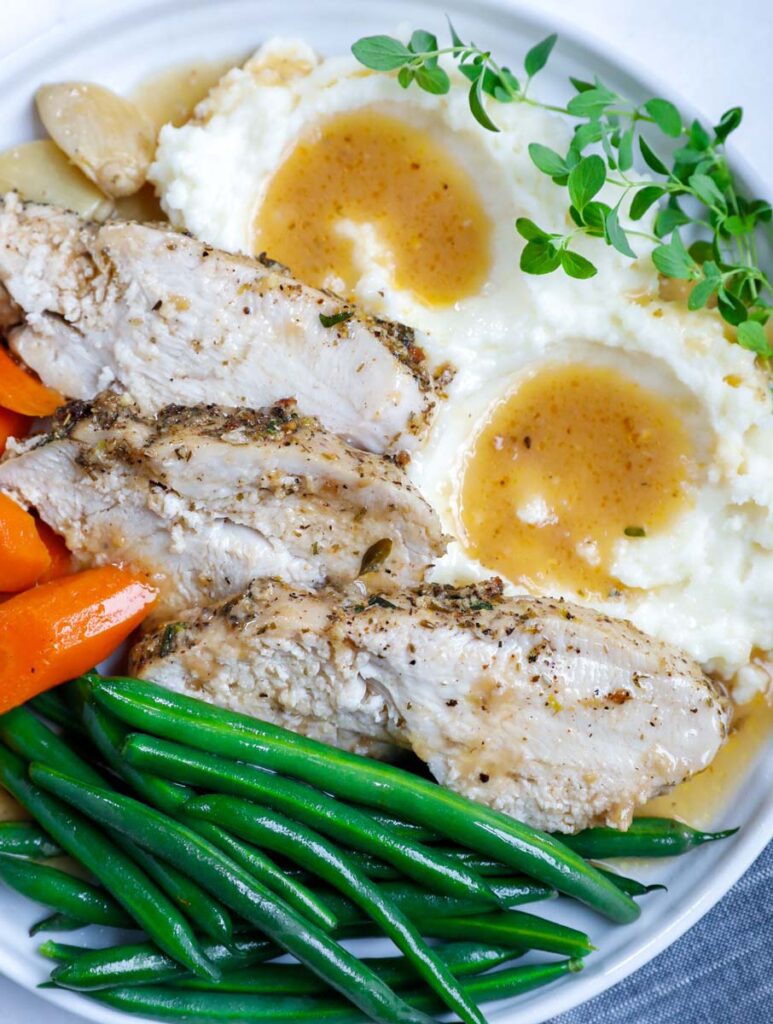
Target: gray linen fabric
719	972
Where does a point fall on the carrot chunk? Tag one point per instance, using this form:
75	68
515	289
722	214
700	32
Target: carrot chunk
60	629
59	553
12	424
21	392
23	555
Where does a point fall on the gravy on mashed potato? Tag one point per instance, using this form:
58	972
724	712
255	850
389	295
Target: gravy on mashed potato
661	494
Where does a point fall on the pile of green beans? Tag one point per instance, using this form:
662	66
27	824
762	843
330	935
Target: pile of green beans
126	882
108	736
179	826
362	781
174	1004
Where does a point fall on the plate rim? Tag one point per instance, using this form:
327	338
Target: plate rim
751	841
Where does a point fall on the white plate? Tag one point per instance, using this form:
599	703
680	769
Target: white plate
119	50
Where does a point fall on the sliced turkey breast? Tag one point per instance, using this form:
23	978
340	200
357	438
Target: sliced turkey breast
552	713
207	499
178	322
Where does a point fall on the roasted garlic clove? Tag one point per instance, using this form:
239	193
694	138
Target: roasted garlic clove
41	173
107	136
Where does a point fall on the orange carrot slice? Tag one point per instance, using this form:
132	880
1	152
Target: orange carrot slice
12	424
23	555
60	629
21	392
58	552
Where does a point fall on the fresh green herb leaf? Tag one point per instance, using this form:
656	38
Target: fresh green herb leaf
423	42
405	76
473	72
701	294
432	79
705	190
752	335
510	85
547	160
666	117
586	134
728	123
455	38
579	85
585	180
731	307
673	259
700	139
477	108
736	225
625	150
382	53
651	159
644	199
335	318
616	236
591	103
701	251
381	602
594	216
575	265
673	216
539	258
528	229
538	55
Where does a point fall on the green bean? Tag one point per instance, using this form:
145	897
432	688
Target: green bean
646	837
263	869
320	856
57	923
143	963
62	892
25	839
61	952
357	779
212	918
417	903
172	1004
630	885
304	804
130	886
407	829
31	739
509	927
109	734
378	870
463	958
173	841
52	707
35	742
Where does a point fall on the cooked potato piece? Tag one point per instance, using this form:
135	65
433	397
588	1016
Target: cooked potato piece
41	173
171	96
108	137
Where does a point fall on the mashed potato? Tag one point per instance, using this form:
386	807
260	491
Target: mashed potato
699	571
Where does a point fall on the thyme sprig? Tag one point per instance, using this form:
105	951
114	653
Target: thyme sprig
693	186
